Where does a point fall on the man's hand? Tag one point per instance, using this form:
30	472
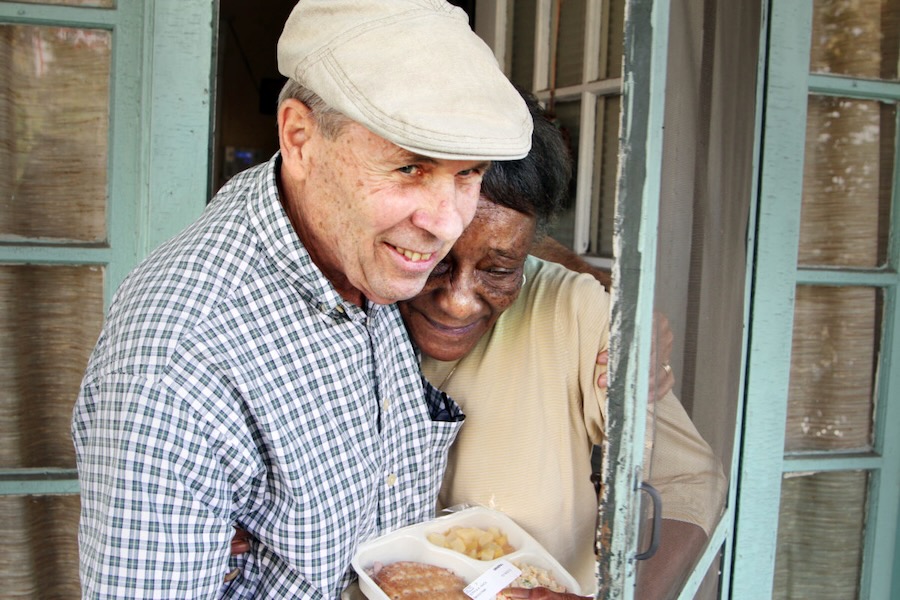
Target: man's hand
551	250
240	543
540	594
662	379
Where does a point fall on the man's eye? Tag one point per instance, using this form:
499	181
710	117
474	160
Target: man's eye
409	169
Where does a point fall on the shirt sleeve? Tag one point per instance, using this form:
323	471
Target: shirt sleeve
684	469
155	520
591	305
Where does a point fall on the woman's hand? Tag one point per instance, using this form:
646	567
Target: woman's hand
662	380
603	360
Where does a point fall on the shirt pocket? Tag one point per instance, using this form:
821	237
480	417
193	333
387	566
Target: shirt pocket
441	407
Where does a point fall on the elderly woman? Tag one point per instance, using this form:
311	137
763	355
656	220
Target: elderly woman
514	340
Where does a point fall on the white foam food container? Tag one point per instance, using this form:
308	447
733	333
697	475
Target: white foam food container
411	543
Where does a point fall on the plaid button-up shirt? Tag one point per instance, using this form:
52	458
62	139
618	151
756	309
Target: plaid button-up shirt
232	385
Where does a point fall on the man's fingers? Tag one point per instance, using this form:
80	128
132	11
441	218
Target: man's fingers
240	543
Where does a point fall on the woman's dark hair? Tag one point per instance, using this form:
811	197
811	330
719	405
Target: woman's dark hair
537	184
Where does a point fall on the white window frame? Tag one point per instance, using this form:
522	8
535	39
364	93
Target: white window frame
491	23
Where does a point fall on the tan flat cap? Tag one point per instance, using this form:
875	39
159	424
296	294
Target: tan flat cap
411	71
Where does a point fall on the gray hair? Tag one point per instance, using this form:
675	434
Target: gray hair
329	120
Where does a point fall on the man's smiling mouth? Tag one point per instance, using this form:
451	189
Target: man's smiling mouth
413	255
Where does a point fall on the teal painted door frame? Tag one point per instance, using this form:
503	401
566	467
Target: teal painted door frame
769	358
161	90
776	276
636	222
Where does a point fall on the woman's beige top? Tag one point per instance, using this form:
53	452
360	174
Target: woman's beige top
534	411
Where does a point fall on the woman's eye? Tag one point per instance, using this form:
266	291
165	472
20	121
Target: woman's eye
440	269
501	281
503	277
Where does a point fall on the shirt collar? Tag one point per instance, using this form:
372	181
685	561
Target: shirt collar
282	244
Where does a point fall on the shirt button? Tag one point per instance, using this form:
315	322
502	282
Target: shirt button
391	480
386	404
340	308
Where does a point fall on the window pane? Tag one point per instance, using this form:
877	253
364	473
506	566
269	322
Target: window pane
858	38
50	318
614	10
523	24
568	117
94	3
830	402
710	588
54	112
40	539
569	42
603	188
820	530
847	182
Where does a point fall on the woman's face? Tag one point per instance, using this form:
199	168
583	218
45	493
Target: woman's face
468	290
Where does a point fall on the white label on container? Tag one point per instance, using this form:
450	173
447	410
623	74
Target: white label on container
489	583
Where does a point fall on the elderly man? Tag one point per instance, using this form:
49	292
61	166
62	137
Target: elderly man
252	371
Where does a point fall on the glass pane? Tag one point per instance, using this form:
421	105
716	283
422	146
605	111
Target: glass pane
710	587
858	38
847	182
833	360
40	539
54	113
700	278
568	35
524	13
568	117
603	188
820	531
50	318
615	46
93	3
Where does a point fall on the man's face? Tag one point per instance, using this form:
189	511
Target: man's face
376	218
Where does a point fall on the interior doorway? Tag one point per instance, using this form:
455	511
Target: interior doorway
247	73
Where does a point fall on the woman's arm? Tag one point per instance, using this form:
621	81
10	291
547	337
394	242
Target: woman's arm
549	249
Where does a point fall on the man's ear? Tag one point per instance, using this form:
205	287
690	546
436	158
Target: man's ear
296	125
